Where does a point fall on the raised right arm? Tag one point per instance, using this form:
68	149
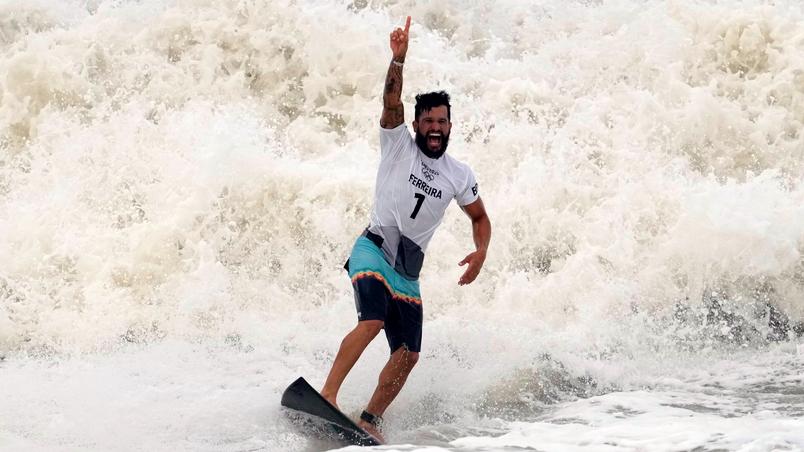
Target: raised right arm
393	111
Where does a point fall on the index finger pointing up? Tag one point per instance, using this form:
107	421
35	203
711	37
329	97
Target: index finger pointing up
407	25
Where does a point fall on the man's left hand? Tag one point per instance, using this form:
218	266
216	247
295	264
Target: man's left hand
475	261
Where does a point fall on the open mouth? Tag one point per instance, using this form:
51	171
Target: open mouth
434	140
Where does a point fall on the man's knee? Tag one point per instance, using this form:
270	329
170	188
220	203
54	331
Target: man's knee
406	358
369	328
412	358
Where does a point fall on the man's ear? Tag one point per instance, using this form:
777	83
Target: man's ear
415	125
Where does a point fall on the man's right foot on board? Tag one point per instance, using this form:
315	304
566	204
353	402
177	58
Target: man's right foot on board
330	399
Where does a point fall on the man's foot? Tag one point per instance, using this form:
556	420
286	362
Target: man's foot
330	399
371	430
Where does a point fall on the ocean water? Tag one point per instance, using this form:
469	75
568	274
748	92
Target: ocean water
181	181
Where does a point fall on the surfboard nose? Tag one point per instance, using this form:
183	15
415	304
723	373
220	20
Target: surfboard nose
304	399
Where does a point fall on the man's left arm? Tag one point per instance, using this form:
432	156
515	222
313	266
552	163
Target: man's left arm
481	232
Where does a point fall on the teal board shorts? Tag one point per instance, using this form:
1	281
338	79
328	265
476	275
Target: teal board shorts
381	293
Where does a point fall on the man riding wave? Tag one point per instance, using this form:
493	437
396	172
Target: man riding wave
416	180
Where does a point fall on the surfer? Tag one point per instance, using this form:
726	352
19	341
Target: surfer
416	181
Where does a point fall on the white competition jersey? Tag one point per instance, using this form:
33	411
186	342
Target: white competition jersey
411	195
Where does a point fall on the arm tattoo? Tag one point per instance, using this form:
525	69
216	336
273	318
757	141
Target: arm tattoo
393	111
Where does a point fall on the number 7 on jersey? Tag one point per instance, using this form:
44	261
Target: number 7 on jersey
419	200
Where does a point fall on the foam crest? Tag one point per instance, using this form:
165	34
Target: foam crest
204	162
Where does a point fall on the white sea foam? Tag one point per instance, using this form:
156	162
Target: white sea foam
181	181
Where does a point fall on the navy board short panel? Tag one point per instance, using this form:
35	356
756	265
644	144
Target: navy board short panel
403	326
371	299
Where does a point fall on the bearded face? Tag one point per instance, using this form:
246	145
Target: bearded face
432	131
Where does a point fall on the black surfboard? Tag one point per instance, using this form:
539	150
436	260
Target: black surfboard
308	405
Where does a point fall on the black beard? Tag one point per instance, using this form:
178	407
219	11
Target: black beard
421	141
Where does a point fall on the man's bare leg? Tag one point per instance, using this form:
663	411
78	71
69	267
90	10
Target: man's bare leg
351	348
392	378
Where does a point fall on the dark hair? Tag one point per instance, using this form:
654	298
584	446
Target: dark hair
427	101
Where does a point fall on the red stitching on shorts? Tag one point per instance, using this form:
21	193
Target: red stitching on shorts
378	276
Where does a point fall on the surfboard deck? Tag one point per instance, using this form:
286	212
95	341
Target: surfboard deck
303	399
